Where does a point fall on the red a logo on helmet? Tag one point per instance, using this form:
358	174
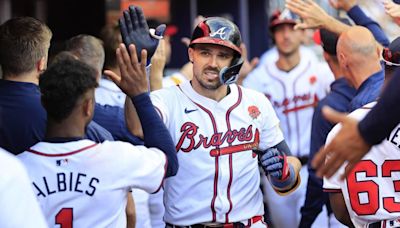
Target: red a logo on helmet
220	32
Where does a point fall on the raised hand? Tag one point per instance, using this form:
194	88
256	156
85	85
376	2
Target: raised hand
134	30
133	79
393	10
312	14
158	62
345	5
347	145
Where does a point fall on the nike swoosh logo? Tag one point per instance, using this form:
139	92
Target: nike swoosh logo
190	110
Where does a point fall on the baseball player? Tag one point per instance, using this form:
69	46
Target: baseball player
294	82
22	117
17	198
75	179
216	125
370	191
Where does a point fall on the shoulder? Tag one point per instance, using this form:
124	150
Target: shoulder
11	165
167	91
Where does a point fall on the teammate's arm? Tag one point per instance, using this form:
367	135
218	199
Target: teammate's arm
339	208
282	170
133	82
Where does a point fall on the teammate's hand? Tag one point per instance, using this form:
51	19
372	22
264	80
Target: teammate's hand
158	62
312	14
346	145
133	79
134	30
393	10
274	164
345	5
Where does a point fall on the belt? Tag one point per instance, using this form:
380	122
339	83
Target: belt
220	225
395	223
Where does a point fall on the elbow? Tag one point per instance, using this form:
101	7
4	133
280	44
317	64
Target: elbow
173	166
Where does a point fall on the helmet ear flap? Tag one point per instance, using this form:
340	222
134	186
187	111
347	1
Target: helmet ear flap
229	75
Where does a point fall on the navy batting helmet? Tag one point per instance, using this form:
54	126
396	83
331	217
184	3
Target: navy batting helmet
220	31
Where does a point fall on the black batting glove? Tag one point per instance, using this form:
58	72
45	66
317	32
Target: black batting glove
134	30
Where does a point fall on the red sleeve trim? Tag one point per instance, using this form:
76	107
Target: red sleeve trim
165	172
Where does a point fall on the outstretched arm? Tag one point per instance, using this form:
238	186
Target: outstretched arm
314	16
355	12
133	82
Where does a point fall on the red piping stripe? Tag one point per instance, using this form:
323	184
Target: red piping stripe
165	173
214	214
228	123
61	155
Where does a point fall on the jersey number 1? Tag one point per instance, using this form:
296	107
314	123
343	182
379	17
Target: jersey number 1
64	217
371	188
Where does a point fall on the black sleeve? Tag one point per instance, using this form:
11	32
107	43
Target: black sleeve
385	116
154	131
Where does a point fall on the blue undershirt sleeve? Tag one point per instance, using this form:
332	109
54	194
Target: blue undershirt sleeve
155	132
360	18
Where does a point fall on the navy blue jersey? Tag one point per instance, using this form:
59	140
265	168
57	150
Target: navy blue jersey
112	118
339	98
384	117
368	92
23	118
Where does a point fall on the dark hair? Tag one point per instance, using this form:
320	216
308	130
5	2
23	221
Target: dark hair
23	42
111	37
63	84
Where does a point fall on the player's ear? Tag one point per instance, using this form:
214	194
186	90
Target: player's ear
41	65
191	53
88	106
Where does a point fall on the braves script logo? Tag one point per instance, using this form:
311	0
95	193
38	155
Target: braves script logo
307	98
189	132
220	32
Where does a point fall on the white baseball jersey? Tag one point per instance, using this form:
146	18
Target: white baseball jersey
109	94
18	204
371	191
174	79
218	178
293	95
86	184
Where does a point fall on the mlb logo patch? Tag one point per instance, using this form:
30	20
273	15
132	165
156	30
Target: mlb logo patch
62	162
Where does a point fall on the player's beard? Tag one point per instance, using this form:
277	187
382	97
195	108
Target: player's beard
210	84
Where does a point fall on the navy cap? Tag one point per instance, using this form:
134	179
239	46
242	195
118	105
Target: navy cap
391	54
327	39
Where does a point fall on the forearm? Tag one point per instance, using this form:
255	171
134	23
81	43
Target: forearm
360	18
339	209
132	119
154	131
335	26
156	77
